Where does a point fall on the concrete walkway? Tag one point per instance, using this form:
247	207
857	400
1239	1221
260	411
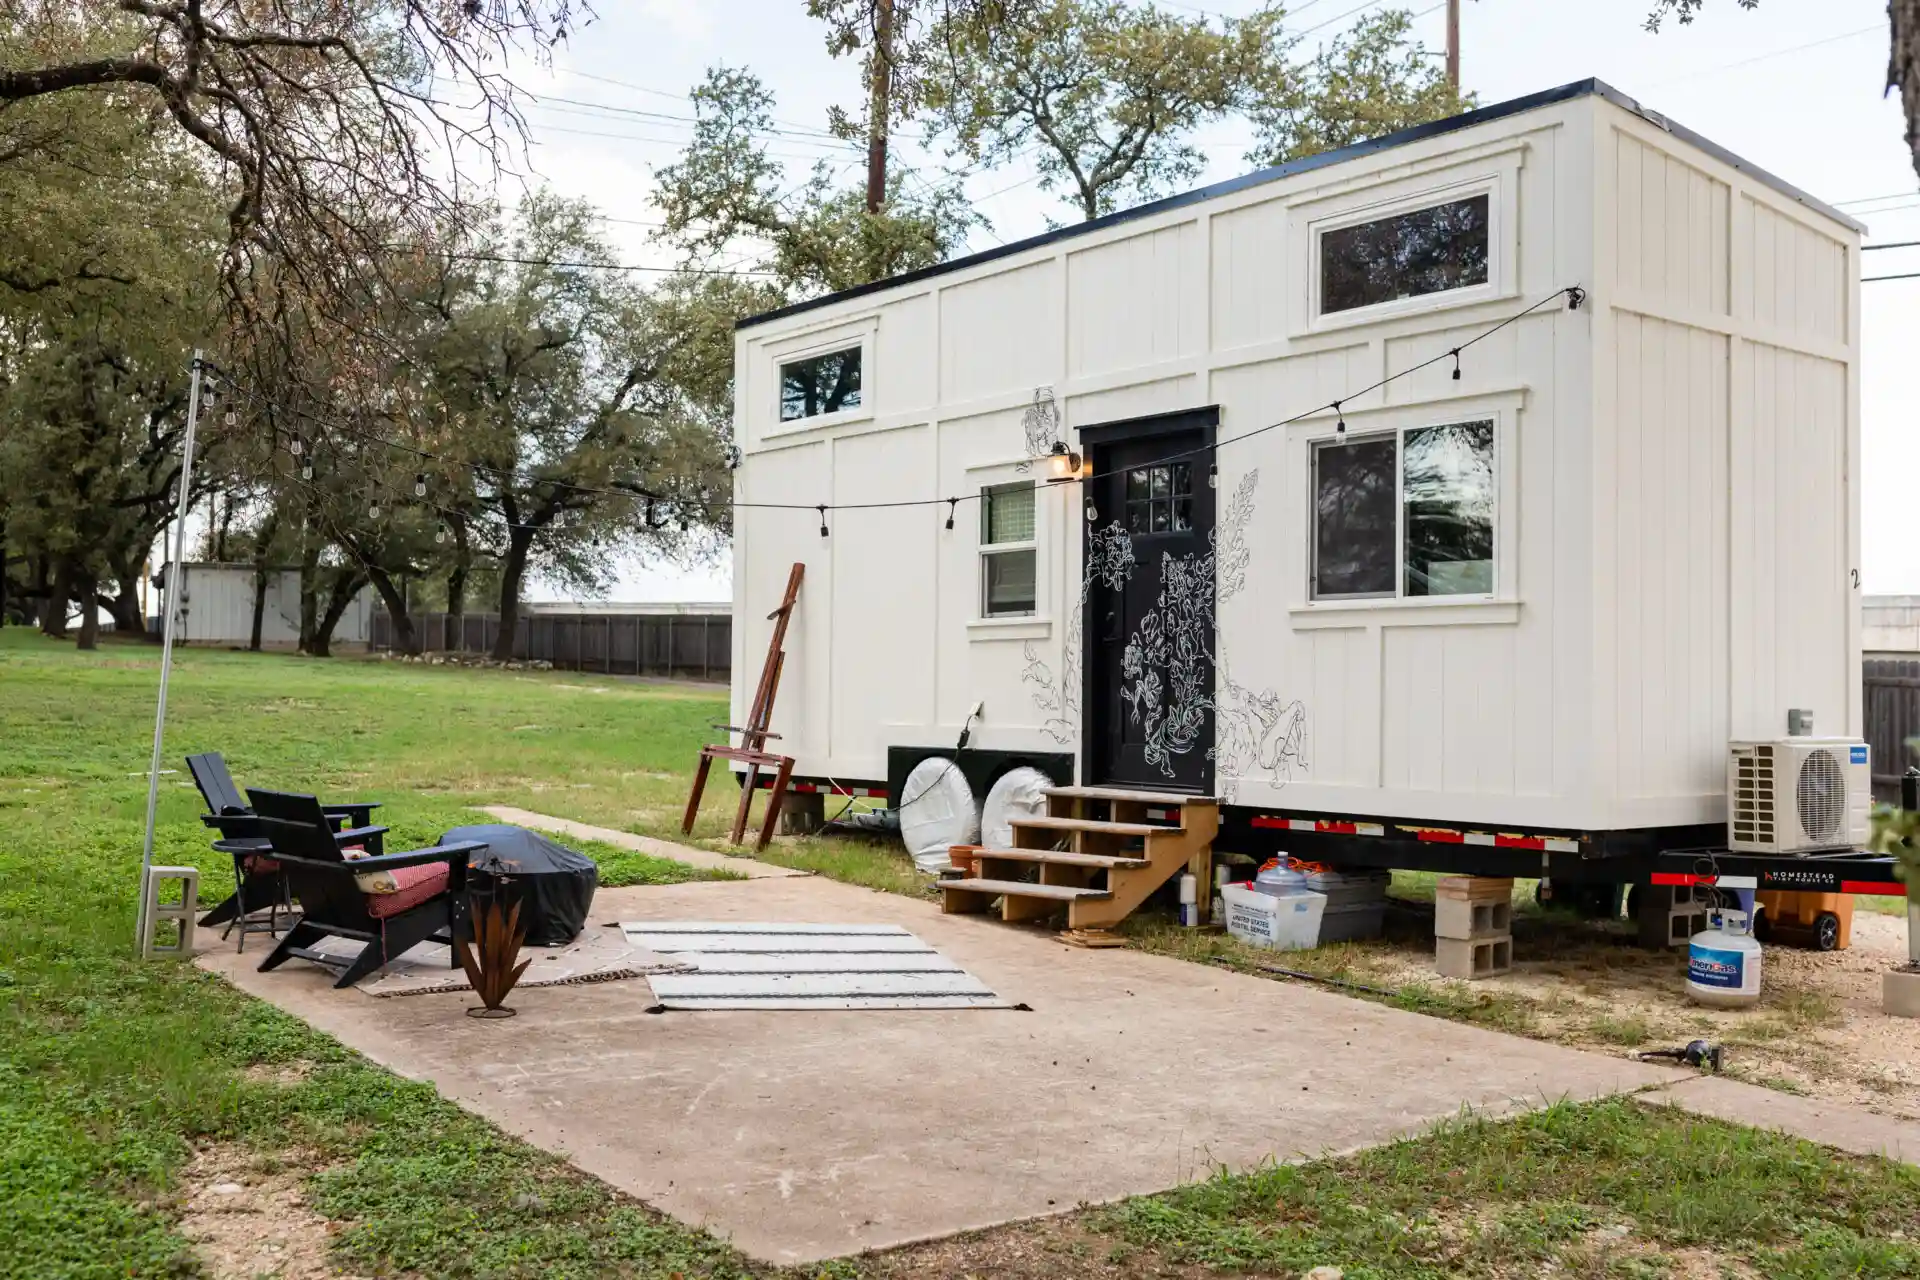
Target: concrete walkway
705	859
801	1136
1844	1128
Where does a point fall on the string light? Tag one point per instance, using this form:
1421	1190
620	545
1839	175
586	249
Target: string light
952	504
295	446
232	418
440	534
306	471
1574	297
373	511
420	485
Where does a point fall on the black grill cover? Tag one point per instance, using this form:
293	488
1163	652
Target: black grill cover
553	884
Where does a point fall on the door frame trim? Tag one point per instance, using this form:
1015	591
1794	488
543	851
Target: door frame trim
1099	436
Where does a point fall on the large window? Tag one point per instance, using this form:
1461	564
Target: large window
1007	555
821	384
1405	514
1422	251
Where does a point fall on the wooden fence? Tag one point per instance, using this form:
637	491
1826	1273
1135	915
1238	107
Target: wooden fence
1893	721
694	646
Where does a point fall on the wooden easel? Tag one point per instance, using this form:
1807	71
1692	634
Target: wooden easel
754	734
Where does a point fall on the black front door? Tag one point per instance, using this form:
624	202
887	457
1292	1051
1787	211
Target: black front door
1149	622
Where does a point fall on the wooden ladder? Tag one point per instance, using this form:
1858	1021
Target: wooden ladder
1098	851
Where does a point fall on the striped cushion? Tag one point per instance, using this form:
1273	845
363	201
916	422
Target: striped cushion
417	885
260	865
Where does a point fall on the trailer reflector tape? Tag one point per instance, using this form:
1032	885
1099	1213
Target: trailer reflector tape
815	788
1875	887
1481	837
1562	846
1323	825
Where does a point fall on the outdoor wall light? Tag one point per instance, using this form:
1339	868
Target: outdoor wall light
1062	464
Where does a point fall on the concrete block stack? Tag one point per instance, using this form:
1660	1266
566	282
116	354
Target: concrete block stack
1473	926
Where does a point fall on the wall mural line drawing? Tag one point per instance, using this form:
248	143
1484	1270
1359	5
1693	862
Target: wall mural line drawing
1041	426
1258	734
1110	561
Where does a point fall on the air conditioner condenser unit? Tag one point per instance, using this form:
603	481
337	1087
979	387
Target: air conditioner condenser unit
1798	795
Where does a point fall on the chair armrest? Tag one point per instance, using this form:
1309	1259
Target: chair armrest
351	834
360	813
459	851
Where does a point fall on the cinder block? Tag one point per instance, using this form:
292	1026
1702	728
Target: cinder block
1467	960
1475	887
1470	918
1900	993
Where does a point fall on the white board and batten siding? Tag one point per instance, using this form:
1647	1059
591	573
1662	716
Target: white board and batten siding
1676	518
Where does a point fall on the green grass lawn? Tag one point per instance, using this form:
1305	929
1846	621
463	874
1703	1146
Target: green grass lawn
113	1072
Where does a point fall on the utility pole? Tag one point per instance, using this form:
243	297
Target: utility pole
879	103
1453	46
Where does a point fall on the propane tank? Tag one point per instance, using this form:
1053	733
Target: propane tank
1723	962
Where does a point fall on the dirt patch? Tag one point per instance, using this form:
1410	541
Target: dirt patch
1046	1249
247	1217
1818	1029
284	1074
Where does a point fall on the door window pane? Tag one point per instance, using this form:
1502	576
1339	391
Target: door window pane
1353	517
1006	514
1408	255
1448	492
1007	580
820	384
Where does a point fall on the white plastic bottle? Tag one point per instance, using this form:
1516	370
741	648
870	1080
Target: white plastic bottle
1723	962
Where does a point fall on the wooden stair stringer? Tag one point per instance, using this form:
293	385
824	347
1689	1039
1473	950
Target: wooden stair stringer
1168	852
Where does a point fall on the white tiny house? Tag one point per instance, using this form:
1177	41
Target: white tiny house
1311	561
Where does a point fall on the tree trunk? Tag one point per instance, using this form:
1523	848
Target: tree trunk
405	638
261	544
1903	67
309	597
89	594
513	567
226	523
53	618
124	607
457	590
879	104
346	583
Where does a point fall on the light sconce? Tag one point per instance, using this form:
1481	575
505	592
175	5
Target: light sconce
1063	465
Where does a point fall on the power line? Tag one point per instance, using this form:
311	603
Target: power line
1905	275
1767	57
1897	244
595	266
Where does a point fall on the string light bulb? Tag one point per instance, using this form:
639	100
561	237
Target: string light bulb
440	534
306	472
296	446
952	504
420	485
1340	428
1455	353
823	519
373	511
233	419
1093	512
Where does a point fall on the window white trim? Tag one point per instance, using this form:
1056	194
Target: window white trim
820	343
1497	177
985	551
1504	410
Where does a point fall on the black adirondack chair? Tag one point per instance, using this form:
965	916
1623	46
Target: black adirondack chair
431	904
257	877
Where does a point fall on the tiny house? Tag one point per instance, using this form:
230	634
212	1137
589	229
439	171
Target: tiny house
1492	474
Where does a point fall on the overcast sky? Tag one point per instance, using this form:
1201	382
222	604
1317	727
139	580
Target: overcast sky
1793	87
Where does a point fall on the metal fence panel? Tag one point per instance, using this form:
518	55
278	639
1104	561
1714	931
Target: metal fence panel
686	646
1893	721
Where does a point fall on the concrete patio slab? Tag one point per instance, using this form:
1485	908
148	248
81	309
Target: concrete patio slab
1846	1128
705	859
806	1135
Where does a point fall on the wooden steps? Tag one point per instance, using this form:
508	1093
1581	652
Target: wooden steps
1062	857
1093	853
1051	823
1158	799
1023	889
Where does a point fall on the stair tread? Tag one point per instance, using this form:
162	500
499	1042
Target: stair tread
1047	822
1022	889
1065	858
1171	799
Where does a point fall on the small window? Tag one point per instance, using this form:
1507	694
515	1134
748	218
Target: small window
1431	250
820	384
1406	514
1007	551
1159	499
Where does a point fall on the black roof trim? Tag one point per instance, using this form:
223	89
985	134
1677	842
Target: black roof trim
1497	111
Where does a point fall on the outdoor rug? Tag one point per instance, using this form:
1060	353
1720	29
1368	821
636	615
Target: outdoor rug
743	965
597	955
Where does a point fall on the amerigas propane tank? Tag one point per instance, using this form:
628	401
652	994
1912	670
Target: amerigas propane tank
1723	962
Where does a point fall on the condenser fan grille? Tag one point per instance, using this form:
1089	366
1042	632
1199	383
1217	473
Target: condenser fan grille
1820	794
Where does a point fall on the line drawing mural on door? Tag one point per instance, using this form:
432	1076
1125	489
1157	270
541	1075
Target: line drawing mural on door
1109	561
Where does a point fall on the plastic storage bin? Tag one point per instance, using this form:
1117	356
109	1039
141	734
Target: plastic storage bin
1282	922
1356	903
